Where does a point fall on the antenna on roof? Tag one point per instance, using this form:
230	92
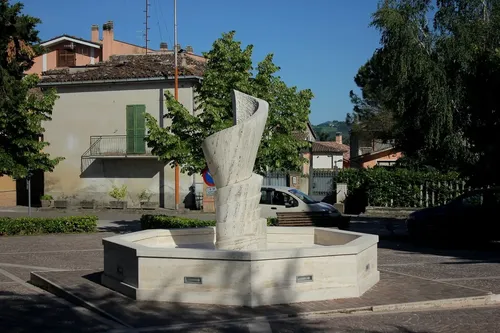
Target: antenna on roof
146	23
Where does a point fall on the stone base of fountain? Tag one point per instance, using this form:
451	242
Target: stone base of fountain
299	265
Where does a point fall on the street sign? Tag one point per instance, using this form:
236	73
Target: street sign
207	178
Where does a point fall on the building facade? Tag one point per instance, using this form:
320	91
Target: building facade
98	126
66	51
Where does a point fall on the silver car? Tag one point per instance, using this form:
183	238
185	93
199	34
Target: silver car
277	199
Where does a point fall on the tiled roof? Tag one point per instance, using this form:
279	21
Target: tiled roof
322	147
305	135
329	147
300	135
129	67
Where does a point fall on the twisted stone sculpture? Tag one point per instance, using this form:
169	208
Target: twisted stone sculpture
230	156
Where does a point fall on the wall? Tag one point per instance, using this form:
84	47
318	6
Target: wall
83	111
120	47
327	161
7	191
307	165
84	56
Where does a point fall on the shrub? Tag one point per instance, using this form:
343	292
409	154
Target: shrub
172	222
145	195
272	221
46	197
118	193
42	225
398	187
149	221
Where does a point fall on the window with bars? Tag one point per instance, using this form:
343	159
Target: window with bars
66	58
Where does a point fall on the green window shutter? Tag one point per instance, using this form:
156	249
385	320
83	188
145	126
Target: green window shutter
140	129
130	128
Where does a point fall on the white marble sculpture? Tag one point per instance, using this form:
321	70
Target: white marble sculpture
230	156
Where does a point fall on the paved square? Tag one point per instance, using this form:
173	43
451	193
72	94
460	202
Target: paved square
408	274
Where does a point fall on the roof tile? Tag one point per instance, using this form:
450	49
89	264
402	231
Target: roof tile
129	67
329	147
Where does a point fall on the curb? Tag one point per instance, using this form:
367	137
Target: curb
377	309
57	290
463	302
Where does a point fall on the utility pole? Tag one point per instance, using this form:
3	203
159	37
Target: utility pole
146	23
176	94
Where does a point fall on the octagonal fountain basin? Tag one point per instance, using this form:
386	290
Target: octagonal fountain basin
300	264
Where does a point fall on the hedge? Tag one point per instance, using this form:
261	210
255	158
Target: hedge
47	225
399	187
149	221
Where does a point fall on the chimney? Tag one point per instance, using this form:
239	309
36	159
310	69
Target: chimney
338	137
94	33
183	60
108	38
163	46
189	49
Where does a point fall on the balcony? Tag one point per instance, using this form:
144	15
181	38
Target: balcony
117	146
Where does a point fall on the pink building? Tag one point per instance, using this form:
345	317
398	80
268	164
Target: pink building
68	51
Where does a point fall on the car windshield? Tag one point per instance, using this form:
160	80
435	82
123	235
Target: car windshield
302	196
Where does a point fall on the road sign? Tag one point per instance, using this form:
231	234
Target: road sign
207	178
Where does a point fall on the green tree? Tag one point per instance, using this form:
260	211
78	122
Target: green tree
436	83
23	106
229	67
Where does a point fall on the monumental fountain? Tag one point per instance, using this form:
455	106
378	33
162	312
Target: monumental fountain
240	261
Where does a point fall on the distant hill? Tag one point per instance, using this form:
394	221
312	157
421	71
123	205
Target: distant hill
326	131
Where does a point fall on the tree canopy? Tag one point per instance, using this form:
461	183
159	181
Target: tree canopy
431	84
229	66
23	106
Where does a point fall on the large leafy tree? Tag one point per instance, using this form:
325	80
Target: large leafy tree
432	81
23	106
229	66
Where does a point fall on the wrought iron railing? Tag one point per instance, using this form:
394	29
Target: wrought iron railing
117	145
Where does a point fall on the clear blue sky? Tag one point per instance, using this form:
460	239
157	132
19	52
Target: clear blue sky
319	44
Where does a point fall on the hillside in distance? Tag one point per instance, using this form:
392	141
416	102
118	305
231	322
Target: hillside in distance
326	131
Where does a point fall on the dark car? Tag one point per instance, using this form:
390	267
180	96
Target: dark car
473	215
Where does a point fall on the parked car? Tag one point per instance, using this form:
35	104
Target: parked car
276	199
473	215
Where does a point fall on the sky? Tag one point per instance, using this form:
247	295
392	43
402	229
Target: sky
319	44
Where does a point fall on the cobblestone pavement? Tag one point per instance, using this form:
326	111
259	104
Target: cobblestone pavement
25	308
471	320
409	273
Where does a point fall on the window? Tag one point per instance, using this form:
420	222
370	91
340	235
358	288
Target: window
472	200
66	58
265	197
136	129
386	163
302	196
277	198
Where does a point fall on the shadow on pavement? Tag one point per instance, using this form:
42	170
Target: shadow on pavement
119	227
393	235
31	312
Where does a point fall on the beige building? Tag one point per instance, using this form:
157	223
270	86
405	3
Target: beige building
98	127
69	51
75	53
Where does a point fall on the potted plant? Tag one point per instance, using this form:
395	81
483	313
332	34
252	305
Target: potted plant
87	204
46	200
145	200
118	193
61	202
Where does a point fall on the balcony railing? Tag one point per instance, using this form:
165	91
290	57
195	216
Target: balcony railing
102	146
